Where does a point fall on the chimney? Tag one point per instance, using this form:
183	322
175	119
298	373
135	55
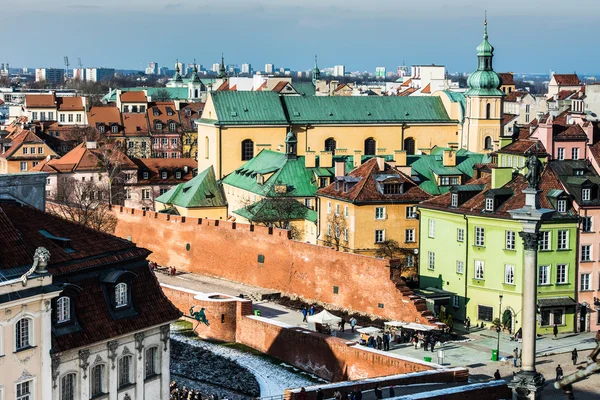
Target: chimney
90	144
310	159
400	158
501	176
380	163
186	169
449	158
340	168
357	158
326	159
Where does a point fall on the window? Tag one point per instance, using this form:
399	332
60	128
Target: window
151	361
409	146
575	153
488	113
479	269
97	380
410	212
379	236
23	165
460	267
544	275
337	231
323	182
328	207
145	175
454	201
158	126
585	282
67	387
431	228
346	211
63	309
145	194
128	194
329	230
247	150
330	145
545	318
178	175
488	142
586	194
489	204
70	117
125	371
455	301
164	141
410	261
173	127
43	115
561	153
22	334
485	313
561	273
379	212
409	236
61	117
557	316
460	235
24	390
40	150
431	260
510	240
392	188
586	252
25	150
34	116
586	224
114	129
346	234
78	117
101	128
121	295
509	274
370	147
545	240
337	209
163	175
563	240
479	236
174	142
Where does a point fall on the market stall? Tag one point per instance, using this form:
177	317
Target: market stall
322	322
394	329
367	332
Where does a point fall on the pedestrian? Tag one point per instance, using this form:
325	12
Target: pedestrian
342	325
392	391
598	337
319	394
386	341
378	393
304	314
302	395
555	331
425	343
352	323
574	356
497	375
515	356
379	342
559	373
432	343
311	311
468	324
416	341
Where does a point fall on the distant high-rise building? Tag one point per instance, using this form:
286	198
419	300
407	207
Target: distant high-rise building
402	71
269	68
380	72
99	74
339	70
246	68
215	67
79	74
152	68
50	75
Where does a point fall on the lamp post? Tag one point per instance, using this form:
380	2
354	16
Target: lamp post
498	328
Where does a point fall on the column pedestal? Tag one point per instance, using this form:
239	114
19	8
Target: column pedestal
527	385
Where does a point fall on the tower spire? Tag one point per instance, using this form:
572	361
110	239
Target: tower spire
485	34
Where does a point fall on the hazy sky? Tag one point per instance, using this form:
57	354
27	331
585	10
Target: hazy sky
529	35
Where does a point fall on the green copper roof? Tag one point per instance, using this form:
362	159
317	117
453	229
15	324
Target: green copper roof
305	88
176	93
484	81
248	108
364	109
263	210
201	191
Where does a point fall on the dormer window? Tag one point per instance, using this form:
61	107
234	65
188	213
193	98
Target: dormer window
163	175
562	206
156	112
178	175
578	172
454	201
101	129
392	188
114	129
121	295
63	309
169	112
586	194
158	126
145	175
489	204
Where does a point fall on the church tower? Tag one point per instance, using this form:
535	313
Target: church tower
316	74
483	122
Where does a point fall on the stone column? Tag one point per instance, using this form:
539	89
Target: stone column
528	319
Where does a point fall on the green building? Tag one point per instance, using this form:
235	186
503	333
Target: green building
470	247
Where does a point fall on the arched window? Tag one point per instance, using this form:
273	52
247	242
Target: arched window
206	144
151	361
247	150
409	146
67	387
488	143
125	371
330	145
23	333
63	309
121	295
488	111
370	147
195	93
97	386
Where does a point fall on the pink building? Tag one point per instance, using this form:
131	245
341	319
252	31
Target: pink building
565	136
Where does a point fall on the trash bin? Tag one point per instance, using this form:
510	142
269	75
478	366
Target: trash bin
257	313
428	359
494	355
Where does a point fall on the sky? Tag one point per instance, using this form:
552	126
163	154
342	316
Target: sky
530	36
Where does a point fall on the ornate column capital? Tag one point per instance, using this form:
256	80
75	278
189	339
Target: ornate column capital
112	351
84	363
531	240
139	340
164	335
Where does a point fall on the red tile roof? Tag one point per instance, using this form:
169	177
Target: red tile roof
514	96
407	82
279	87
506	78
156	165
189	112
567	79
366	189
83	159
40	101
562	95
70	104
595	151
22	137
522	146
162	110
135	124
570	132
133	97
407	92
426	89
106	115
507	118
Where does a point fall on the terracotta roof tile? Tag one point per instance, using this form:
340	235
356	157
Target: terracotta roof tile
40	101
70	104
19	138
426	89
506	78
133	97
407	83
507	118
83	159
407	92
135	124
189	112
156	165
567	79
159	112
514	96
522	146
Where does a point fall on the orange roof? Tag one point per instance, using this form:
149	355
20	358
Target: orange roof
40	101
17	139
224	86
567	79
426	89
279	87
407	92
159	111
105	115
407	83
133	97
135	124
70	104
83	159
507	78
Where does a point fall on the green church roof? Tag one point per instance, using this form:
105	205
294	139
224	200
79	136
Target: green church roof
200	191
264	210
484	81
248	108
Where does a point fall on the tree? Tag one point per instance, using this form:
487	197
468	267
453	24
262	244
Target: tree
189	146
404	259
83	202
161	95
277	212
110	164
336	227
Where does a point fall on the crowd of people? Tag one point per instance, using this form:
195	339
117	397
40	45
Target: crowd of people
188	394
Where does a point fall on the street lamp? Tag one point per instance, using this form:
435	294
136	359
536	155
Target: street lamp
498	329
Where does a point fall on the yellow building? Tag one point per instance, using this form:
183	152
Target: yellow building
235	126
25	152
364	210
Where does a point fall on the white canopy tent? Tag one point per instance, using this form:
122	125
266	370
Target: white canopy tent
419	327
369	330
324	318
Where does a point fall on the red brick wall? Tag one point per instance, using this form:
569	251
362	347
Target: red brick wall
230	251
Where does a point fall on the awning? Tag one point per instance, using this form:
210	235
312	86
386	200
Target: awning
396	324
369	330
561	301
419	327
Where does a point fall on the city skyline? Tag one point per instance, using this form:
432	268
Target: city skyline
290	35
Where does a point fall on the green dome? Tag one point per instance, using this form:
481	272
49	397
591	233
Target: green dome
484	81
485	48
